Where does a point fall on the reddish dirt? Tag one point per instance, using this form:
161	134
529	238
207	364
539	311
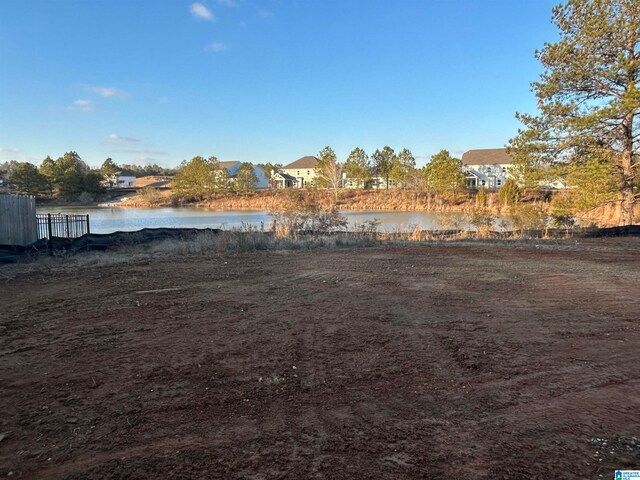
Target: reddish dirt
455	361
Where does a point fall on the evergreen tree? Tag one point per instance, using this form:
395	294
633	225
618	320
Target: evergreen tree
357	166
246	179
403	167
588	96
199	178
24	179
383	162
109	170
444	174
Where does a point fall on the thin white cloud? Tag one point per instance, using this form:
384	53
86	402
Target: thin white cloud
216	47
9	150
198	10
106	91
141	151
82	105
264	13
114	137
228	3
163	100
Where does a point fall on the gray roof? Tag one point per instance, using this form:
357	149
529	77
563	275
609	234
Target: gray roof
286	176
304	162
228	164
487	156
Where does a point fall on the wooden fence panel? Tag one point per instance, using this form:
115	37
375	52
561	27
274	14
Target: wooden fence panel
18	220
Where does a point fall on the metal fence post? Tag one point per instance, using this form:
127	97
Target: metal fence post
88	231
49	233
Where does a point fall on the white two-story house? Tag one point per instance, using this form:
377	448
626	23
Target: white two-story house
487	168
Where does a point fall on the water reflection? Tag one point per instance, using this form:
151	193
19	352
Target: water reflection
111	219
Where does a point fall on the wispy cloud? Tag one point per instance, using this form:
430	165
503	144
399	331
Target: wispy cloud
163	100
216	47
264	13
106	91
9	150
141	151
114	137
82	105
228	3
198	10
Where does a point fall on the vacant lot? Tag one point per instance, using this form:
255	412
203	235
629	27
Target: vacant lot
457	361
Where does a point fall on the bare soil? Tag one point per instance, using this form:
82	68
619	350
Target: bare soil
469	361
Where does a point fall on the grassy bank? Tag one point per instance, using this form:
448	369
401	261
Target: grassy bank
273	200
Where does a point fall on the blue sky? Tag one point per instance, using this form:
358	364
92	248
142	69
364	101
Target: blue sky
162	81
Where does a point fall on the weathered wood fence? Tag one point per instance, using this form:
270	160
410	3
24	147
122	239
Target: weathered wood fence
18	220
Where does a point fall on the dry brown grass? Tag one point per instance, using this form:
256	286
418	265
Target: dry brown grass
249	239
389	200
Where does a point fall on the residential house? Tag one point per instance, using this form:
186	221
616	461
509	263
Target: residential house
554	184
232	171
487	168
125	181
302	170
282	180
349	182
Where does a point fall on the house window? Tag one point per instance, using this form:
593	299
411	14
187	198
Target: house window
483	183
499	183
298	172
504	169
488	169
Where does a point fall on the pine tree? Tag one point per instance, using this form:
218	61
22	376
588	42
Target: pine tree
588	96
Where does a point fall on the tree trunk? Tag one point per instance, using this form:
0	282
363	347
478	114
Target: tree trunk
627	194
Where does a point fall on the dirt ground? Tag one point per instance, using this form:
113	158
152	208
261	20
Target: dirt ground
465	361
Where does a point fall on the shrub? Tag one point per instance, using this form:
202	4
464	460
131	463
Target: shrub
482	221
530	216
150	196
481	198
509	194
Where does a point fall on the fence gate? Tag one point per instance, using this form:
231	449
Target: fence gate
18	220
63	226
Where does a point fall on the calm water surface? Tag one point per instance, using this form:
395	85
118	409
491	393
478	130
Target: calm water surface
111	219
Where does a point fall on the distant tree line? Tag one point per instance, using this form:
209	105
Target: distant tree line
442	176
67	177
152	170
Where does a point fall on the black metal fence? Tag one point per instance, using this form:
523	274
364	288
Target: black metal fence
63	226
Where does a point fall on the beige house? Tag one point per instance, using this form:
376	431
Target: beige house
303	171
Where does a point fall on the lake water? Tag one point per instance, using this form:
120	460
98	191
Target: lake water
111	219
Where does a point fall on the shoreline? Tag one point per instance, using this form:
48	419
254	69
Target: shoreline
234	209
